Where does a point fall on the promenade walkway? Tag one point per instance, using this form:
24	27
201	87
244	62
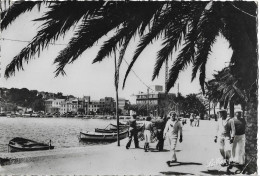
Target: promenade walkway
194	155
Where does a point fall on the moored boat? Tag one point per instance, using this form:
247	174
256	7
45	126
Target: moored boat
97	136
19	144
111	128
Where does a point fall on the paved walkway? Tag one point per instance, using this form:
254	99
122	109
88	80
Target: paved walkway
194	155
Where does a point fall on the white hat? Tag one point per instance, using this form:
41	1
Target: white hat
132	112
238	110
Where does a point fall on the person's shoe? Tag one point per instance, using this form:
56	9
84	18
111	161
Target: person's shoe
168	163
157	147
224	164
126	147
174	161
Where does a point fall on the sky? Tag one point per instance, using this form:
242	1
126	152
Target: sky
95	80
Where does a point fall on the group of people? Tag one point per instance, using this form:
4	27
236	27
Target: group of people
169	128
194	118
231	137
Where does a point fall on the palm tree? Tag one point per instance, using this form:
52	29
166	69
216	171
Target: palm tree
193	26
225	89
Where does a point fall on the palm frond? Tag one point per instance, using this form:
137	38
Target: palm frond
124	46
15	10
89	32
55	26
209	29
172	39
186	55
155	31
135	20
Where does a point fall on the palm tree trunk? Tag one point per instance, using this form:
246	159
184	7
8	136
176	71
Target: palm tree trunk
251	137
116	86
231	108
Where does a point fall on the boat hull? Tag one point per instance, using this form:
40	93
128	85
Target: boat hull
21	149
23	145
96	136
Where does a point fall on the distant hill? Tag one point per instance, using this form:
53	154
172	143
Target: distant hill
11	98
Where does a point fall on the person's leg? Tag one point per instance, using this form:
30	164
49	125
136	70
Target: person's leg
129	139
198	122
148	138
136	139
241	150
161	140
145	140
221	148
228	156
173	147
228	148
234	150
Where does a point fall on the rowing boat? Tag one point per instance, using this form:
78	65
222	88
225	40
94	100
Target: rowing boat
19	144
97	136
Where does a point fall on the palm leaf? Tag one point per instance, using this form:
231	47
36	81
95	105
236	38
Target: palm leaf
172	39
157	28
55	26
209	29
15	10
89	32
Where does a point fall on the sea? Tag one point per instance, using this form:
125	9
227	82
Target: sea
63	132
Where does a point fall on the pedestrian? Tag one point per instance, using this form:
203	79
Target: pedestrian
172	129
191	119
238	149
216	117
133	131
148	127
197	120
160	124
225	134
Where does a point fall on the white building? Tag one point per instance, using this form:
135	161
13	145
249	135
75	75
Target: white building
121	105
53	105
93	106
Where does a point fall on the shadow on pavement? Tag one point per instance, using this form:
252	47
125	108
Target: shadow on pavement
155	150
183	163
175	173
214	172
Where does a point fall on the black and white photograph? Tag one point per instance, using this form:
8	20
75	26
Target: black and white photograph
128	87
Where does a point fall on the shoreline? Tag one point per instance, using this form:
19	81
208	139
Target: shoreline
30	156
195	157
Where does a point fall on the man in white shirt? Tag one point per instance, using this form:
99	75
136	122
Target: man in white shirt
225	134
197	120
172	128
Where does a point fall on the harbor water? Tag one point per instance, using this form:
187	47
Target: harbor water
63	132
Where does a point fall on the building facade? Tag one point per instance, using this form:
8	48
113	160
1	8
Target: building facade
156	99
53	105
83	105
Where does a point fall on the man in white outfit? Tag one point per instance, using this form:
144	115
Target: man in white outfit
238	149
172	128
225	134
